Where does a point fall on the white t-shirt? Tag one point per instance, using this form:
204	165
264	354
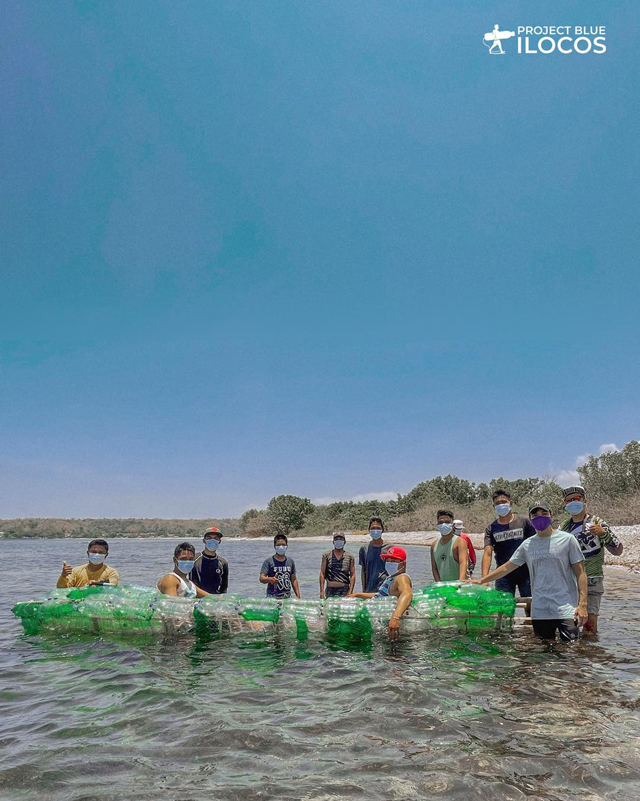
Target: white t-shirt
554	586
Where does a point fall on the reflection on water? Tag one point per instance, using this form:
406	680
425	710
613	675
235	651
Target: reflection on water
499	716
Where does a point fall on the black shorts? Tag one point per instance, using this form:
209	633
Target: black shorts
546	629
334	591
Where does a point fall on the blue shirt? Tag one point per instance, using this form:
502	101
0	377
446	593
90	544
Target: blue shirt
374	570
284	570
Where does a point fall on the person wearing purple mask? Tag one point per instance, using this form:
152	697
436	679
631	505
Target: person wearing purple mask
558	578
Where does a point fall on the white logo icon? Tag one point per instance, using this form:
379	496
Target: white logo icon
495	36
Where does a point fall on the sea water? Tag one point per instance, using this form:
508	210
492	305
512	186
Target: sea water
436	715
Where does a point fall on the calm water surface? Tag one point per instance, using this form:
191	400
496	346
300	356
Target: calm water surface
495	717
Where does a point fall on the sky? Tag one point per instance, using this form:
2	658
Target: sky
325	249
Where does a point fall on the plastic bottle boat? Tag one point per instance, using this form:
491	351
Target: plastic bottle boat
130	609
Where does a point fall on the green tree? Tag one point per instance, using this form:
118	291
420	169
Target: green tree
287	513
247	517
614	473
442	489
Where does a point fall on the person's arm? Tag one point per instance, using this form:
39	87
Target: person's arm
487	556
607	537
462	557
434	568
364	595
224	584
499	572
65	577
200	593
581	615
265	578
323	565
403	584
295	585
352	580
168	585
363	572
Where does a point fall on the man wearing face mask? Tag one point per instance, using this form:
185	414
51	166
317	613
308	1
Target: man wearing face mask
593	535
210	570
94	572
178	583
279	571
337	570
397	583
502	538
558	579
372	566
449	554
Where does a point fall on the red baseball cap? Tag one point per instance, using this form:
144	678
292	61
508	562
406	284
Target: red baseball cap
212	530
395	552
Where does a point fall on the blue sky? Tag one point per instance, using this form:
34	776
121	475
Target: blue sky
328	249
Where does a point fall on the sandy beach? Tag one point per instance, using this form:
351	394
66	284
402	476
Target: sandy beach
628	535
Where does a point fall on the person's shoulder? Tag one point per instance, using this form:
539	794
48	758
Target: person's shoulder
520	520
222	561
80	568
111	570
326	555
198	559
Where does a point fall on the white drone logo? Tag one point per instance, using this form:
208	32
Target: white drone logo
495	36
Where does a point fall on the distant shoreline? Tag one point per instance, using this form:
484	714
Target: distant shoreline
629	535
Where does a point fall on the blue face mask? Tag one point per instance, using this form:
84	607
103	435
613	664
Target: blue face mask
185	565
574	507
212	545
338	544
502	509
281	550
375	533
391	567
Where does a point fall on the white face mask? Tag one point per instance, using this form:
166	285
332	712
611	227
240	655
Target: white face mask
97	558
281	550
445	528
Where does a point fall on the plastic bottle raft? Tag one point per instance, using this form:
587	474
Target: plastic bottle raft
129	609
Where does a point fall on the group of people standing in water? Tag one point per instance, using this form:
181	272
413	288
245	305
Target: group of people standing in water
557	570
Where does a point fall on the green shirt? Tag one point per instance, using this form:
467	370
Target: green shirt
591	545
448	568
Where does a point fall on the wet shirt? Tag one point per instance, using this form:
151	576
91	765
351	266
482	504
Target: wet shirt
81	576
338	570
374	570
554	586
211	573
591	545
506	538
284	571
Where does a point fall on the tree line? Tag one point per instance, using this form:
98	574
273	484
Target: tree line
611	480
